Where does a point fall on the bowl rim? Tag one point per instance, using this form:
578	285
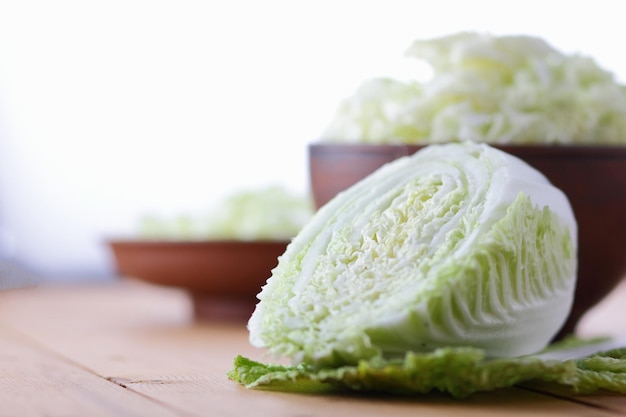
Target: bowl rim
182	243
569	151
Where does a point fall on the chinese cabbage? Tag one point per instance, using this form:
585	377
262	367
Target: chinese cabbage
458	245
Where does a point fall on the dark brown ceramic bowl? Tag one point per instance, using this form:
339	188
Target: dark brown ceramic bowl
222	277
593	177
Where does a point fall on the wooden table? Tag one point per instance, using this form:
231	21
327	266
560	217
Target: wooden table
131	349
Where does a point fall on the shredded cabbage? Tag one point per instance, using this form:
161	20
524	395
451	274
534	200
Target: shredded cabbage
485	88
269	213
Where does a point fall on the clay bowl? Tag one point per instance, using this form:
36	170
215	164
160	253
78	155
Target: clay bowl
222	277
594	179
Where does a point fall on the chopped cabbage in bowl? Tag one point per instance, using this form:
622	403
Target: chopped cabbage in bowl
485	88
268	213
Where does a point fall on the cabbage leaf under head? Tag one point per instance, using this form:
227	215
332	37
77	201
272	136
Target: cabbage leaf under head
459	372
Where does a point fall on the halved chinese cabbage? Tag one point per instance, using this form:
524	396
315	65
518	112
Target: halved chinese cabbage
457	245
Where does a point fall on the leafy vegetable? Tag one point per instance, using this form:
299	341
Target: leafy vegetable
449	270
484	88
457	371
270	213
457	245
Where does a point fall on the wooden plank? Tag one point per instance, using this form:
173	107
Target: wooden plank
604	400
144	339
34	382
224	398
123	331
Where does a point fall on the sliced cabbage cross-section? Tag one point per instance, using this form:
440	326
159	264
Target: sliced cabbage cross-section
457	245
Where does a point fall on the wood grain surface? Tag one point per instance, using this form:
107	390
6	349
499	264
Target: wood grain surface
133	349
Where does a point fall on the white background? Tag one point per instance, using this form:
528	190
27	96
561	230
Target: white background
113	109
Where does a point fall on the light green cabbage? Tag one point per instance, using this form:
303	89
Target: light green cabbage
449	270
458	245
484	88
456	371
269	213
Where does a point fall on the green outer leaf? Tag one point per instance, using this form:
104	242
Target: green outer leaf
456	371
